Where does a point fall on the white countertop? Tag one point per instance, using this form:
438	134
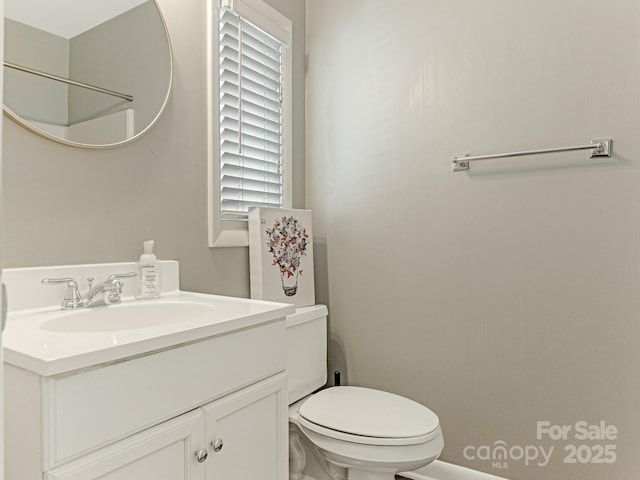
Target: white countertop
29	346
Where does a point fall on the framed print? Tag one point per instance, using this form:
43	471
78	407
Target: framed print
281	255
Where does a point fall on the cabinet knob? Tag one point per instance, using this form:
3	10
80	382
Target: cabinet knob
201	455
217	444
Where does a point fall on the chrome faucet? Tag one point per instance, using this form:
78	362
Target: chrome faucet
111	289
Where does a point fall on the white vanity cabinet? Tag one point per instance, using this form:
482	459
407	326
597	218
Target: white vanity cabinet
149	417
240	436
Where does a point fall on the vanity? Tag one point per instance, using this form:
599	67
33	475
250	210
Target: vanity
188	386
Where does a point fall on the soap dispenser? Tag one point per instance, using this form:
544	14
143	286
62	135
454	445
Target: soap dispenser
149	272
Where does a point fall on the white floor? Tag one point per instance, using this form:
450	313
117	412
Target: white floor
446	471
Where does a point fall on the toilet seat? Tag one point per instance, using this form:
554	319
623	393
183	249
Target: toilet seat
368	416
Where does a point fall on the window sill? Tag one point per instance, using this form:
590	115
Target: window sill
231	238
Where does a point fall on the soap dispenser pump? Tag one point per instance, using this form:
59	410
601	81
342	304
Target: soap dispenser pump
149	277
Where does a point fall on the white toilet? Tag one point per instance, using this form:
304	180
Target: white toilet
355	433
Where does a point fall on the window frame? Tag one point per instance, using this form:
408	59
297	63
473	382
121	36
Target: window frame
234	233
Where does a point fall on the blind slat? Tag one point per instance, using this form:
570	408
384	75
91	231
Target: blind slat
247	153
246	186
230	122
252	174
259	137
250	163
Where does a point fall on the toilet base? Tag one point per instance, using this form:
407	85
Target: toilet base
306	463
354	474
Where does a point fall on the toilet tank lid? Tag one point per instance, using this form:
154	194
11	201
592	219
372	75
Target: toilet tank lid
306	314
369	412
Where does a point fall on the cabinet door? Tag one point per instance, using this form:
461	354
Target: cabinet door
249	429
164	452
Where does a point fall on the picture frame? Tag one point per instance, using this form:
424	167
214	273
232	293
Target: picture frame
281	255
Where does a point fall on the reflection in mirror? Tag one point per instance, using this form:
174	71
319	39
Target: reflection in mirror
88	73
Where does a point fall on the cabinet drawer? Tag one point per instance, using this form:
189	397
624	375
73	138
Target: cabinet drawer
105	404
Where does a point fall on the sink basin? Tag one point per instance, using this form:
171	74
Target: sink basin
127	316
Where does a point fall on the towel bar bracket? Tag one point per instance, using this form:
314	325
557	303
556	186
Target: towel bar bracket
604	150
459	163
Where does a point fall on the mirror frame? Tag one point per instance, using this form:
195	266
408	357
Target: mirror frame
41	133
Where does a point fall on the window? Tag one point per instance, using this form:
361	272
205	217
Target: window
249	110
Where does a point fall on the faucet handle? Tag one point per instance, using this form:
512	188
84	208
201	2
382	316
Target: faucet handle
121	275
116	287
72	297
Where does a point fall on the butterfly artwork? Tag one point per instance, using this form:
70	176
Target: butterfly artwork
281	255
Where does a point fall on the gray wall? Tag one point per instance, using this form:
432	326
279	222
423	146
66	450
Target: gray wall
122	54
36	98
508	295
63	205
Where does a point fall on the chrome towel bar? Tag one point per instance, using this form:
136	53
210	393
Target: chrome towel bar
599	148
68	81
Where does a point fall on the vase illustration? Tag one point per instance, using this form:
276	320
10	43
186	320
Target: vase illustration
289	284
287	241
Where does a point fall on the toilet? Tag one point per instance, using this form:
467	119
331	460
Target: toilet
352	433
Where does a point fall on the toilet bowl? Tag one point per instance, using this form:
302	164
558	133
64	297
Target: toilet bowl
370	433
357	433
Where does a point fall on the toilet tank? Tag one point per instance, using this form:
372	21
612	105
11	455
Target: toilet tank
306	351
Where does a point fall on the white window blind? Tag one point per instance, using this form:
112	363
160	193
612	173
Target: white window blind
251	117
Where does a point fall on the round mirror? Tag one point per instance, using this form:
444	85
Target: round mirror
87	73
